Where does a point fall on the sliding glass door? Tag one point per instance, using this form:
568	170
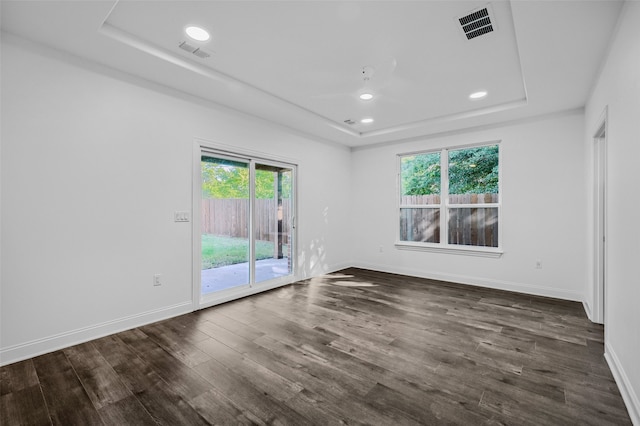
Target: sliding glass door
273	221
246	225
225	252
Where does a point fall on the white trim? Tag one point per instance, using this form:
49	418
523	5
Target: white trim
600	190
452	147
419	206
587	310
450	248
446	118
445	206
251	224
629	395
471	129
244	291
472	206
196	226
445	213
495	284
241	152
64	340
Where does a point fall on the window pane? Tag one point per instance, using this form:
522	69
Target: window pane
225	224
420	179
473	175
420	225
473	226
272	222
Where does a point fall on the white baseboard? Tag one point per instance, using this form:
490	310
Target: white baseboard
624	385
52	343
587	309
48	344
480	282
63	340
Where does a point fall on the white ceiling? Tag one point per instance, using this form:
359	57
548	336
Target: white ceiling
300	63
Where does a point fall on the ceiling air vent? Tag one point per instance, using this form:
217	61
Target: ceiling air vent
477	23
201	53
186	46
349	121
198	51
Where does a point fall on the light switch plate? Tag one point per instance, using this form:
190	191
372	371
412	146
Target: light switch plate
182	217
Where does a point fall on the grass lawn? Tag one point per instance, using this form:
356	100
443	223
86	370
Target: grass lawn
221	251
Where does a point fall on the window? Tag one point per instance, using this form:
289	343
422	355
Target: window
450	199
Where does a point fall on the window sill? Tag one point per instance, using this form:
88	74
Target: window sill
450	249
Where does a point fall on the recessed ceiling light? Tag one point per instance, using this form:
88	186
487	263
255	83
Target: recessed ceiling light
197	33
478	95
366	120
366	96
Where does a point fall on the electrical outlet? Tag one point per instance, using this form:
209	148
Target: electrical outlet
380	248
157	280
538	264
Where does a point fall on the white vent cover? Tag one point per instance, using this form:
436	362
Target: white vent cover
198	51
477	22
201	53
188	47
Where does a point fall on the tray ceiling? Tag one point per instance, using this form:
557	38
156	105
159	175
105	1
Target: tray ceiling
303	64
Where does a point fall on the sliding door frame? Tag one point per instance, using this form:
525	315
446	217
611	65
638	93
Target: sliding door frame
217	150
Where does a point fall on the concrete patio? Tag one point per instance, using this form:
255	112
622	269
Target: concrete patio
226	277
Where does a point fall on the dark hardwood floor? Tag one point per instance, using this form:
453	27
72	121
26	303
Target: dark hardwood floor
354	347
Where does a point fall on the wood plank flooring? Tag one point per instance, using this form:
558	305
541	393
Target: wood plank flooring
353	347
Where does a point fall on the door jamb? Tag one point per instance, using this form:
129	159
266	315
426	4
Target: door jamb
600	218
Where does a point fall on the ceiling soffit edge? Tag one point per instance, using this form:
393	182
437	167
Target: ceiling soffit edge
136	42
450	117
472	129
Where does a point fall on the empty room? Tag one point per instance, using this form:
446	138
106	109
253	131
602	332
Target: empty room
319	212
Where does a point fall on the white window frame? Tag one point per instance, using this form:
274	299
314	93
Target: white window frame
216	149
443	246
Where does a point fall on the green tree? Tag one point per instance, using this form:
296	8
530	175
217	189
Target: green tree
471	171
474	170
230	179
420	174
224	179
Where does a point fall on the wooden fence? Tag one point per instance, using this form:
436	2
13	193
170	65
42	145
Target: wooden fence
453	199
229	217
474	226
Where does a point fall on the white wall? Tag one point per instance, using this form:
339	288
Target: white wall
618	89
94	163
544	210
